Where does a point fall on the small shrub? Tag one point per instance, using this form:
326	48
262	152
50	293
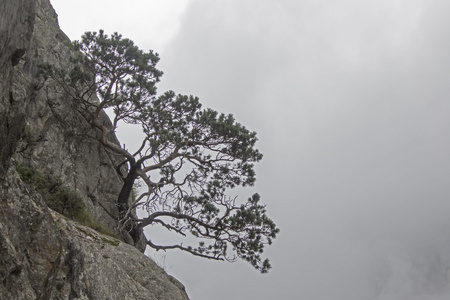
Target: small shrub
59	197
28	141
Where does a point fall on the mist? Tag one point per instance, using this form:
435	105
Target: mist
350	102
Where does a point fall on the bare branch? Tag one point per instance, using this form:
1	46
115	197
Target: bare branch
180	247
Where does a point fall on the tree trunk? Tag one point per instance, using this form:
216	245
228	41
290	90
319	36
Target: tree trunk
125	192
123	204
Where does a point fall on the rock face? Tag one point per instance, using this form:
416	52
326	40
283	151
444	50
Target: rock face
63	142
16	29
44	255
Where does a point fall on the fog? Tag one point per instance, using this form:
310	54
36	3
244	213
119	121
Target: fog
350	100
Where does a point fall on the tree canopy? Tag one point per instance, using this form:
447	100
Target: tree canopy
190	158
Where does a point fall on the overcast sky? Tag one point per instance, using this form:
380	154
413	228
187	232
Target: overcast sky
350	99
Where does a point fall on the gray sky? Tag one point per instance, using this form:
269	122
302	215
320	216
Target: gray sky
350	99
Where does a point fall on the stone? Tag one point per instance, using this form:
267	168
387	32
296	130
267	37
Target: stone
44	255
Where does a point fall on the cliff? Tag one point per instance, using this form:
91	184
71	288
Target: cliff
43	254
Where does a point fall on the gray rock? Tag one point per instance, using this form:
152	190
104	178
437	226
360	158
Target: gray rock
16	30
64	138
43	255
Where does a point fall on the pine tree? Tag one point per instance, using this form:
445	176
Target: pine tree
190	158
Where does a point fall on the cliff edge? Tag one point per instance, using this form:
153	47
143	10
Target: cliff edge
43	254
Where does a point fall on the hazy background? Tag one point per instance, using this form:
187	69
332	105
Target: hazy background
351	102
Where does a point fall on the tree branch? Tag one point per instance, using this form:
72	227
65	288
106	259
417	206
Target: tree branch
158	247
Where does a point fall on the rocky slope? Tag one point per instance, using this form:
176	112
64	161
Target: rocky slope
44	255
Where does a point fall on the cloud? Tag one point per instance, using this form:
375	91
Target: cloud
151	23
350	100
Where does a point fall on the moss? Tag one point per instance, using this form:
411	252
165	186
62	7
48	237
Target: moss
103	239
87	233
111	242
85	219
59	197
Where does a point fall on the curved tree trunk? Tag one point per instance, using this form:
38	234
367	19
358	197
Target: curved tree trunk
123	204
